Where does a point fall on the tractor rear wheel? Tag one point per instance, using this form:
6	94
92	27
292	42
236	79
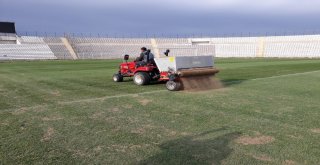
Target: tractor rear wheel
117	77
141	78
173	85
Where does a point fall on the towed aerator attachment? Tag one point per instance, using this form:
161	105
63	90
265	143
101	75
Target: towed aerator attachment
197	72
188	72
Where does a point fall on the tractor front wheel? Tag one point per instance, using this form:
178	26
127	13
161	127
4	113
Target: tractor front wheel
117	78
141	78
173	85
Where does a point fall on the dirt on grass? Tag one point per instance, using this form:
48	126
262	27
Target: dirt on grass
98	148
315	130
127	106
200	83
56	93
52	118
138	131
295	136
265	158
96	115
4	123
145	102
20	111
76	153
48	134
258	140
289	162
115	109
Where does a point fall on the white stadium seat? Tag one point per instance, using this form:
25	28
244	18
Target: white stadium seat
26	52
30	47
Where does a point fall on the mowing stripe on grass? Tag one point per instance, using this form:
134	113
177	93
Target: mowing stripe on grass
263	78
158	91
286	75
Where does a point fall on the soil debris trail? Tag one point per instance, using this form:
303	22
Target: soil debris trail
200	83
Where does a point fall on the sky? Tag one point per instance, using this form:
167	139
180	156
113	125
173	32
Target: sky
163	17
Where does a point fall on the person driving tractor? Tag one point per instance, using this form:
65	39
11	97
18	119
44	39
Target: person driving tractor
146	57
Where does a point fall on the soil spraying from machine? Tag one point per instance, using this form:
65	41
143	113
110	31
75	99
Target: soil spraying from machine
200	83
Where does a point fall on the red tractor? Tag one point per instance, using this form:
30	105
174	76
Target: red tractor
167	69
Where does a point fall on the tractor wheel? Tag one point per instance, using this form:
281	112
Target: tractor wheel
141	78
173	85
117	78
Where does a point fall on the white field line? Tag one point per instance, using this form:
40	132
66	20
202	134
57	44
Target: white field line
110	97
263	78
88	100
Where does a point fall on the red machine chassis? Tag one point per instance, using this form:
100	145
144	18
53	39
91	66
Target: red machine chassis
129	69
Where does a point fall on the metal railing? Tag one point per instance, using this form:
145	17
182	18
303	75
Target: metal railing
167	35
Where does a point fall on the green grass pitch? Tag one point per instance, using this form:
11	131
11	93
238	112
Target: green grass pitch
71	112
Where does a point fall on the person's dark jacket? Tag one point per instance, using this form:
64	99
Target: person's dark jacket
145	58
141	57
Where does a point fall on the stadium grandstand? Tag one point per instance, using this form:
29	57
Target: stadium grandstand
15	47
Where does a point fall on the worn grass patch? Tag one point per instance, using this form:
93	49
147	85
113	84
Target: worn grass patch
258	140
